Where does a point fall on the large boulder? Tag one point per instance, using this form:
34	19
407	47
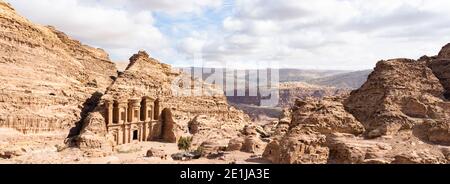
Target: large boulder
305	137
438	131
445	52
235	144
326	116
420	157
252	144
299	146
441	68
347	149
159	153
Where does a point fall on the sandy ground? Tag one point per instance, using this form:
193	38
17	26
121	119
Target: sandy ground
43	149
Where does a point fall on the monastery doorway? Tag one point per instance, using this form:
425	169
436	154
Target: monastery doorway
135	135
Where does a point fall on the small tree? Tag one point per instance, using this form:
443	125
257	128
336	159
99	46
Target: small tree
184	143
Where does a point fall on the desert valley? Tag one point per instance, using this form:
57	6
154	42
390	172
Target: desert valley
65	102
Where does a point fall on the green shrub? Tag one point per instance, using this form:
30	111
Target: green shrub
184	143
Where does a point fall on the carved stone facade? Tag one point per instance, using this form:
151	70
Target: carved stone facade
131	120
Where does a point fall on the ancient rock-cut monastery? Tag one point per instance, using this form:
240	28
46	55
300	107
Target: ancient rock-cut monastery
132	119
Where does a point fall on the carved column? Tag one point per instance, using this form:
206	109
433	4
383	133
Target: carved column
109	112
121	111
147	112
156	109
120	136
134	110
141	132
127	134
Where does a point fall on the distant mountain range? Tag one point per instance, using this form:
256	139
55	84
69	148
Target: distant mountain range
328	78
350	80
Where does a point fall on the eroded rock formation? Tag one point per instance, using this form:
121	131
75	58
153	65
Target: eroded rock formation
45	76
400	115
397	95
305	137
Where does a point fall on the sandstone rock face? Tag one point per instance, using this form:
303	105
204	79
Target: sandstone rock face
441	68
305	140
252	144
438	131
235	144
325	116
212	147
299	146
396	94
166	128
445	52
206	116
403	148
400	115
198	124
45	76
272	152
424	157
347	149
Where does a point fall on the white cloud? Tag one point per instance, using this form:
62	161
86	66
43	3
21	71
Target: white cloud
172	7
120	27
322	34
331	34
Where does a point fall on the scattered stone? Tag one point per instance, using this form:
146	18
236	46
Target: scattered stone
186	156
155	153
235	144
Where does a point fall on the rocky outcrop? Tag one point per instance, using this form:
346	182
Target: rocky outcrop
437	131
252	144
156	153
400	149
325	116
299	146
445	52
440	65
305	140
347	149
397	94
212	147
400	115
45	76
235	144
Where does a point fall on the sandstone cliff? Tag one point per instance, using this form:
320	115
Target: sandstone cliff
398	94
47	79
400	115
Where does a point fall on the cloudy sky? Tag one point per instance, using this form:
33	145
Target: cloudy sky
309	34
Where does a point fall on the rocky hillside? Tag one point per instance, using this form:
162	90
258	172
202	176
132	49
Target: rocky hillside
203	106
400	115
46	78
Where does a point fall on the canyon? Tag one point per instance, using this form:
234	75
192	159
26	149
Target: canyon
65	102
